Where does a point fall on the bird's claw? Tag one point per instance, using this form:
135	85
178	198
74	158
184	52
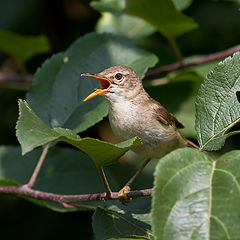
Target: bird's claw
122	195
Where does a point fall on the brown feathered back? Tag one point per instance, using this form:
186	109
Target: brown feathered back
164	116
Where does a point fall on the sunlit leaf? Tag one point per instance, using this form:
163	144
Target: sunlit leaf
182	4
32	132
195	197
114	6
163	15
130	26
217	105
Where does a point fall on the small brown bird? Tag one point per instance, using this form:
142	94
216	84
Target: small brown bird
132	112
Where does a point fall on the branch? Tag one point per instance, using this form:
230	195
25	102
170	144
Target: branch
191	62
28	192
15	81
157	72
13	77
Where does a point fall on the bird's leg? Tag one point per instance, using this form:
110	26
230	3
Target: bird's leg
122	194
105	182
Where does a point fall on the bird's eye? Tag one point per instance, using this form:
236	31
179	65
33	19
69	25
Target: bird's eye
118	76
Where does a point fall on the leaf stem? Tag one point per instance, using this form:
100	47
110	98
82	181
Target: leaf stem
33	178
176	50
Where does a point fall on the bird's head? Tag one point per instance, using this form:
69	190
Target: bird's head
118	82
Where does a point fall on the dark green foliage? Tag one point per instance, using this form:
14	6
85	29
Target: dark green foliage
195	195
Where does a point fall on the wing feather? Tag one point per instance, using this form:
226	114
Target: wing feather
164	116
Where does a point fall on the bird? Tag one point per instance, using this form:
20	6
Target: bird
132	112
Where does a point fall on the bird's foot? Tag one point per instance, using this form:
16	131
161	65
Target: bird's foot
122	195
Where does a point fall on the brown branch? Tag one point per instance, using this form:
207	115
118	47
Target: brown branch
13	77
157	72
28	192
15	81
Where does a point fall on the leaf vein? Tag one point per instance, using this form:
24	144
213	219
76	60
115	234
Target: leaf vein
230	174
210	195
180	170
188	195
222	131
222	225
129	222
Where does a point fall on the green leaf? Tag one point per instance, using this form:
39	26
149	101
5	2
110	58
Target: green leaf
114	20
58	90
217	106
130	26
22	48
114	6
182	4
119	223
129	238
65	171
32	132
163	15
225	214
195	197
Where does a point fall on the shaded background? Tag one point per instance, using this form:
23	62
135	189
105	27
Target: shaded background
62	22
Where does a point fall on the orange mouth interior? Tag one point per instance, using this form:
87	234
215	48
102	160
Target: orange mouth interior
105	85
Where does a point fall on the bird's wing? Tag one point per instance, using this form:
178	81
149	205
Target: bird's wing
164	116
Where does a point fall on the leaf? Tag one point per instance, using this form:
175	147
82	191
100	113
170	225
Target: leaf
225	214
130	26
65	171
119	223
114	20
32	132
22	48
114	6
182	4
217	106
58	90
195	197
163	15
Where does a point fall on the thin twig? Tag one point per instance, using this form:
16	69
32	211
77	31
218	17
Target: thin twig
138	172
15	81
28	192
157	72
105	181
33	178
176	50
13	77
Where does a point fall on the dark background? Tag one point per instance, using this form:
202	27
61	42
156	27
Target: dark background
62	22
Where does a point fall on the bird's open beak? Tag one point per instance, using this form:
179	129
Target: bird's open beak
105	85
